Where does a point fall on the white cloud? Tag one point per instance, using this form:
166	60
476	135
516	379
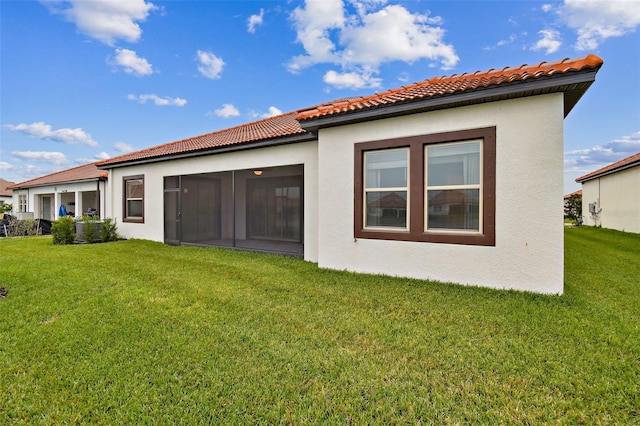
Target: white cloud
105	20
56	158
210	65
549	41
273	111
591	159
227	110
353	80
254	21
42	130
102	156
122	147
4	166
597	20
157	100
132	63
361	42
547	8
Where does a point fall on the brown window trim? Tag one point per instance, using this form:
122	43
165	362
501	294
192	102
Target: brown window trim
124	199
416	146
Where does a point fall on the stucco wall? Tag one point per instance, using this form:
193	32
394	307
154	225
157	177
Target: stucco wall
153	226
528	254
618	199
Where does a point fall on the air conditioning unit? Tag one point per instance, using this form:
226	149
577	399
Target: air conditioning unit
592	208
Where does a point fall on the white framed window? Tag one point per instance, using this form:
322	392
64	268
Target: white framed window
453	186
386	183
22	203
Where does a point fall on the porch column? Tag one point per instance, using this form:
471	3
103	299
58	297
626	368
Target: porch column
78	206
57	198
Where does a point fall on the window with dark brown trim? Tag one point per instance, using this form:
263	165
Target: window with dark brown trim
446	196
133	199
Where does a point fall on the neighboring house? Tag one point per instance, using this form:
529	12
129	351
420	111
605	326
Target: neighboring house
77	189
6	194
567	197
611	195
423	181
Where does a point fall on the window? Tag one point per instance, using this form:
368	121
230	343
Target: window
385	188
433	188
453	186
22	203
133	198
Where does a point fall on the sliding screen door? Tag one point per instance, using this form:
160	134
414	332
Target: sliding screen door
274	208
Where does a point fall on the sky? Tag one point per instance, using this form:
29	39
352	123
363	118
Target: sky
85	80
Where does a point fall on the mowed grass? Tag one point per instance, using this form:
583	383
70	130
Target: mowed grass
136	332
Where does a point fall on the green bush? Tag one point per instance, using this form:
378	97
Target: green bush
109	231
90	231
63	230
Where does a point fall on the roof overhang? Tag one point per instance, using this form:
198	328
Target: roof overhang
573	85
302	137
18	187
609	172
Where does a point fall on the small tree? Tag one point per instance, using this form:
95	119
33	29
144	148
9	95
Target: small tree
573	207
6	208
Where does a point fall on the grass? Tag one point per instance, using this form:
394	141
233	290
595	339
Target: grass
136	332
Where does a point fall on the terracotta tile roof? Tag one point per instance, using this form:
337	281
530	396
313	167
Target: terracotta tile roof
288	125
455	84
268	128
578	192
4	188
75	174
625	163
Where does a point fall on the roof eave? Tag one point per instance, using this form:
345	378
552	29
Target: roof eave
301	137
60	182
587	178
575	84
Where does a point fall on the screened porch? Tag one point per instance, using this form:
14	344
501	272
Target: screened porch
252	209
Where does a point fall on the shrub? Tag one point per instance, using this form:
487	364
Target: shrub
63	230
22	228
109	231
90	231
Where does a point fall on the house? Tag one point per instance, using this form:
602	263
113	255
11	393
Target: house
567	198
76	190
611	195
6	194
423	181
572	194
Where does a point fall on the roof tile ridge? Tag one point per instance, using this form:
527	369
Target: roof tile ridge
95	163
191	138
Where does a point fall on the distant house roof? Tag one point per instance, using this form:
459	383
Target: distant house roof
569	76
4	188
76	174
625	163
578	192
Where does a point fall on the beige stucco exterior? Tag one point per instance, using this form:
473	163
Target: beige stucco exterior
617	200
528	254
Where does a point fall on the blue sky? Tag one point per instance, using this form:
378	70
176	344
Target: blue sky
86	80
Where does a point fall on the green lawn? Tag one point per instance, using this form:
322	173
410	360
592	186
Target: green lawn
136	332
